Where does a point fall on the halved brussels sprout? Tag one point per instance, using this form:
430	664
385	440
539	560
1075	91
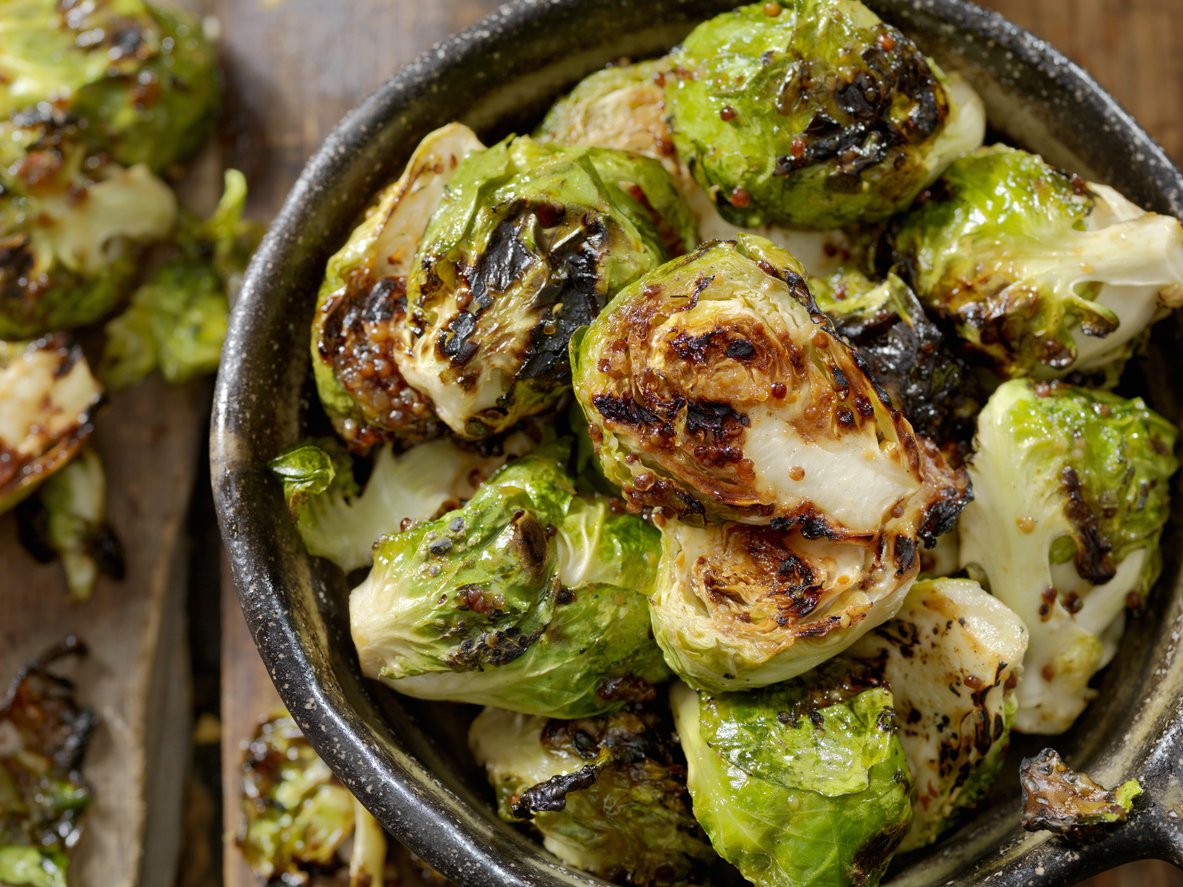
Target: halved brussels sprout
361	309
814	113
48	399
299	821
1041	272
951	656
737	606
529	243
141	79
713	387
1071	494
804	783
72	230
495	603
607	794
905	353
339	521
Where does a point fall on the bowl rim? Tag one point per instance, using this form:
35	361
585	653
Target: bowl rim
403	794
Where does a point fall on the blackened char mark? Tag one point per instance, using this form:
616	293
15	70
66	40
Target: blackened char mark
551	796
1094	551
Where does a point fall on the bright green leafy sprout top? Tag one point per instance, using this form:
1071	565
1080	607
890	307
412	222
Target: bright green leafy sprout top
607	794
1040	272
801	784
714	388
1070	497
139	80
950	656
530	598
529	243
361	308
814	114
48	400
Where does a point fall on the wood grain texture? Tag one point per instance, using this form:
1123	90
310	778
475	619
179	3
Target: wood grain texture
295	66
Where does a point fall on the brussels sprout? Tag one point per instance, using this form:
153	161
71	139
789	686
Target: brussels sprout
48	399
1071	490
67	521
530	241
140	79
177	319
800	784
299	820
500	602
1060	800
339	522
714	388
814	113
1040	272
738	606
607	794
361	309
950	656
43	793
72	231
904	350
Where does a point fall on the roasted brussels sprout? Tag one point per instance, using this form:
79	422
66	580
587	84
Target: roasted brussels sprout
950	656
814	113
43	793
72	228
177	319
1071	493
713	387
141	80
360	317
1040	272
804	783
1058	799
607	794
530	241
738	606
339	521
67	521
530	598
905	353
48	399
300	822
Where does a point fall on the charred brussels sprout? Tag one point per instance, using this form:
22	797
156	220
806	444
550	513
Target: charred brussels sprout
300	822
140	80
1071	493
950	656
607	794
737	606
48	399
804	783
905	352
1064	802
1040	272
713	387
72	229
530	598
529	243
814	113
340	521
42	790
360	319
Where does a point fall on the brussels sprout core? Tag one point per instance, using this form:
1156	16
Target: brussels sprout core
713	387
819	116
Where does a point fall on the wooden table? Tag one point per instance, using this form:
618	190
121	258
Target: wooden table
295	66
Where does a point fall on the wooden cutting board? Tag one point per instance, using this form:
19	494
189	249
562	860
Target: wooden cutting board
296	66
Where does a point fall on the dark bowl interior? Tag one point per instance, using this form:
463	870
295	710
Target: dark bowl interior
407	761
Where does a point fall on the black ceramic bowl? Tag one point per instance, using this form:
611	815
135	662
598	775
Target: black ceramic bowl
404	760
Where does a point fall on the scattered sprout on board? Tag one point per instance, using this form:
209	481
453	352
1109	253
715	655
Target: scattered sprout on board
1071	494
608	794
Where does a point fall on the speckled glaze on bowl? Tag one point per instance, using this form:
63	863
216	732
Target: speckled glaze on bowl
407	761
